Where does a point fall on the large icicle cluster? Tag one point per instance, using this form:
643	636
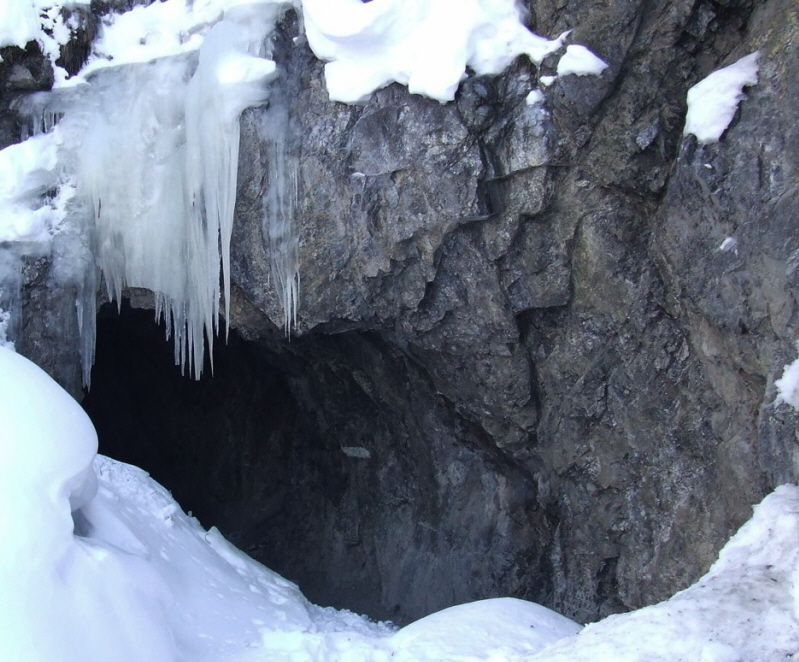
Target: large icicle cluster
153	149
158	159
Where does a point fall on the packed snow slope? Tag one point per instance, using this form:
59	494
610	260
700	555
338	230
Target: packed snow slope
99	564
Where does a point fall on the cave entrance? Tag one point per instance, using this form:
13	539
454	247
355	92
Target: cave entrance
331	459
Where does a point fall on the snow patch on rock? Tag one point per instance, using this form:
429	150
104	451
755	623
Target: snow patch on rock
713	102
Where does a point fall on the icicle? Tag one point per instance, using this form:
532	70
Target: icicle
279	204
10	296
156	155
230	77
153	149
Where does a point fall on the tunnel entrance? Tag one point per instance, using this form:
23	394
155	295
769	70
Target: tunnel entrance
331	459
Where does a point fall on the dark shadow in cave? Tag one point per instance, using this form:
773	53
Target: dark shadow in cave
186	433
331	459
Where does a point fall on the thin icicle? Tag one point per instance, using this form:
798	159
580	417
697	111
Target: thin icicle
279	205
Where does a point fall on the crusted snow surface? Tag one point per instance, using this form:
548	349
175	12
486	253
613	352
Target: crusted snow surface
712	102
424	44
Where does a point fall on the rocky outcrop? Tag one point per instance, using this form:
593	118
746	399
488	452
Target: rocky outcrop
523	364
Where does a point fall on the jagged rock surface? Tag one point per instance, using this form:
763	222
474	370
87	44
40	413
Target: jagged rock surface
522	364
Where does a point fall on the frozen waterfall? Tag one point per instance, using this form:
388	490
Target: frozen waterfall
152	151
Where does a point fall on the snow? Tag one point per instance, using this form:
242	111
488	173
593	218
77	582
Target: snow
27	173
23	21
499	629
99	563
422	44
713	102
729	244
160	30
534	97
788	385
546	81
5	319
19	22
580	61
744	608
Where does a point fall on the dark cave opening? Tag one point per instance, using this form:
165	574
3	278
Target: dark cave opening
331	459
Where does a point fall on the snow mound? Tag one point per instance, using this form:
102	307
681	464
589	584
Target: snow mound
99	563
712	102
424	44
498	629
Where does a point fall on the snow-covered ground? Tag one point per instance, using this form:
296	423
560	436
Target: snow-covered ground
99	564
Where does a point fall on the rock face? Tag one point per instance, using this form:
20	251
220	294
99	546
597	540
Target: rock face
523	363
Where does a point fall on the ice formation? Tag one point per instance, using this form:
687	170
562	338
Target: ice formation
278	217
712	102
28	171
152	146
5	318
